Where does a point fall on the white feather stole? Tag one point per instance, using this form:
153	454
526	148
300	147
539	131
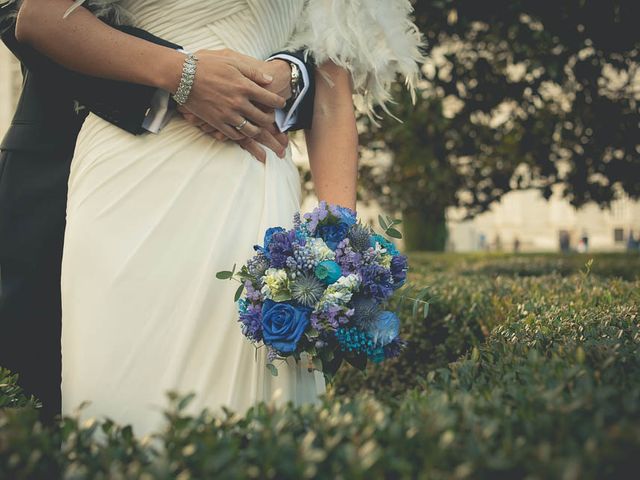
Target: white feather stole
373	39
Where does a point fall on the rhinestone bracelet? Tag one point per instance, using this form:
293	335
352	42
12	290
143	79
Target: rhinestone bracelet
186	81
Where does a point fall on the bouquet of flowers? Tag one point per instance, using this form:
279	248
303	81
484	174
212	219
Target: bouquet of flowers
321	288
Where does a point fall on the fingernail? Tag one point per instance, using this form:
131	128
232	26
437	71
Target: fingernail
267	77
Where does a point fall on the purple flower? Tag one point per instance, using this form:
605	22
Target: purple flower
280	248
252	293
349	260
251	320
283	325
399	270
376	281
394	348
316	216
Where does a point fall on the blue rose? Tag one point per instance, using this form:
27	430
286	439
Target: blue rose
283	325
333	233
328	271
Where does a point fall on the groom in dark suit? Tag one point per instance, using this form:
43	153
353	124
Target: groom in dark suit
35	157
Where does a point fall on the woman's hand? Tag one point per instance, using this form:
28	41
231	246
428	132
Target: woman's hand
269	136
229	88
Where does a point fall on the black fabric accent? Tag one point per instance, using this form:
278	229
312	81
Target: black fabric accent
305	110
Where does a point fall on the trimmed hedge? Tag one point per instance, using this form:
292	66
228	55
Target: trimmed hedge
463	311
549	388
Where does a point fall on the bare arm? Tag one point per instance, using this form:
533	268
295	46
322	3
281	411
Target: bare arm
332	141
226	82
85	44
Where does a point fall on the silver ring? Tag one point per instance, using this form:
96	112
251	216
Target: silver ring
241	126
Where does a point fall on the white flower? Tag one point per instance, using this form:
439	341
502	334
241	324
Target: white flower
340	292
321	251
276	285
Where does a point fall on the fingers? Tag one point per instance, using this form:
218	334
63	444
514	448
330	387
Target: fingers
254	149
260	95
257	115
276	143
231	132
252	69
248	129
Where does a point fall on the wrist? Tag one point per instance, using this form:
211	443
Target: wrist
282	71
169	72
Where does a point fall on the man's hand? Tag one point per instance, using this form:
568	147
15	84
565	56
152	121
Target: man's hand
269	137
227	89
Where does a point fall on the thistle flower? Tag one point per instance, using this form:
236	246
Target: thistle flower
365	311
306	289
359	237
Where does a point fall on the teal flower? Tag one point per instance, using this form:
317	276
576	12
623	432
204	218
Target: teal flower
384	243
328	271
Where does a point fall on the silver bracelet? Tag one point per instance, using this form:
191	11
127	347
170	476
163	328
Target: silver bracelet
186	81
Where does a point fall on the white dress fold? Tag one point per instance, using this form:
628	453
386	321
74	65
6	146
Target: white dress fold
150	220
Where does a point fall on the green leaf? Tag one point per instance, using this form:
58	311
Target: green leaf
224	275
238	292
414	310
383	224
312	333
425	310
272	368
393	233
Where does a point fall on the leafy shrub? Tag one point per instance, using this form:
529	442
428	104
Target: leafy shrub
11	394
465	308
606	265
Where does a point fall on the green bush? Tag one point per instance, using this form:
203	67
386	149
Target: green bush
11	394
548	386
463	311
610	265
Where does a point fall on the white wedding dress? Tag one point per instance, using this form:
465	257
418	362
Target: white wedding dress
152	218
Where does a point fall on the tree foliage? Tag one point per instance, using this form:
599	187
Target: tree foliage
513	94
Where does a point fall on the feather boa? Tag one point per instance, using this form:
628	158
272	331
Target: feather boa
373	39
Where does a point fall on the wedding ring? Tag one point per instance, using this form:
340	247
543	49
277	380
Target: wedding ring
241	126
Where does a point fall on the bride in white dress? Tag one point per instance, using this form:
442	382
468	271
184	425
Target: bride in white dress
151	219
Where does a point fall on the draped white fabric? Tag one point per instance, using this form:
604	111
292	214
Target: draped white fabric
150	221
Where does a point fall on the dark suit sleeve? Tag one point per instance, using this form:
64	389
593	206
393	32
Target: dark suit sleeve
305	110
122	104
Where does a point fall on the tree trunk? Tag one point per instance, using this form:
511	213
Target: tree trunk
425	229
